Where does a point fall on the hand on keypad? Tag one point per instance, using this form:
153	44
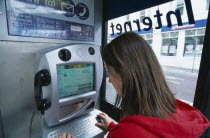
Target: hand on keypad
106	121
66	135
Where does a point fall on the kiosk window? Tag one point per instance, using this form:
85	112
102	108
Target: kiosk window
75	79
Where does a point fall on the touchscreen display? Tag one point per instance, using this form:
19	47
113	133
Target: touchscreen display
75	79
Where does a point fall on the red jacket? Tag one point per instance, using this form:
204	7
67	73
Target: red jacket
188	122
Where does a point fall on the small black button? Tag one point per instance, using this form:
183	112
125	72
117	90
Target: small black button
91	51
64	55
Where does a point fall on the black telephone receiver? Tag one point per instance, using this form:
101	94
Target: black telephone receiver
42	78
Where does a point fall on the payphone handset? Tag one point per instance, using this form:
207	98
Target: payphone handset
42	78
67	82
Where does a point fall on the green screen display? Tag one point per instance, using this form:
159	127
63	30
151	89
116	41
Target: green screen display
75	79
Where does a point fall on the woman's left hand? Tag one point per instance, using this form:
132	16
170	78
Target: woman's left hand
66	135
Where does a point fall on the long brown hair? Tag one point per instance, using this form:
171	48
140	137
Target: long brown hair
144	88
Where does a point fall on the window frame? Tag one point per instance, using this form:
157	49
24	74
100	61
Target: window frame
180	7
169	46
207	4
146	38
194	45
142	15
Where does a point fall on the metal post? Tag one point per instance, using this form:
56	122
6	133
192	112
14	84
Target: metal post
193	60
196	41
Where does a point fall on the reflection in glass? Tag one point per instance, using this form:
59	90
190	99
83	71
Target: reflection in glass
178	48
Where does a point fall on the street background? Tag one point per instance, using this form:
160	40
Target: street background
181	81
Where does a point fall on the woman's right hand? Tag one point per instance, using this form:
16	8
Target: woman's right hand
107	120
66	135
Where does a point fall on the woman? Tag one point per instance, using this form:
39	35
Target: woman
149	108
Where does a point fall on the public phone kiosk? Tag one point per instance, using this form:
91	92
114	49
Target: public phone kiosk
67	83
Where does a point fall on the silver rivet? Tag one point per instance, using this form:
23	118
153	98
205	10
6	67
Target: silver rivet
1	13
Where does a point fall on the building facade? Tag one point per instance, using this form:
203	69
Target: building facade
177	46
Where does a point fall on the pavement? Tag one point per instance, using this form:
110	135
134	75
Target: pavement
182	82
178	70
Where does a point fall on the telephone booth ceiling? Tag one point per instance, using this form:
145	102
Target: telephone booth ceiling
117	8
